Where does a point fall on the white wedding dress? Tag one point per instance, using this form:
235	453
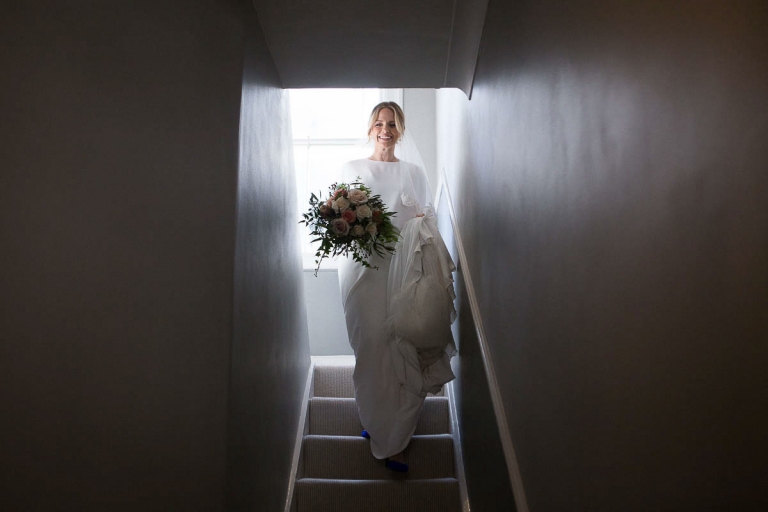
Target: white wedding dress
388	393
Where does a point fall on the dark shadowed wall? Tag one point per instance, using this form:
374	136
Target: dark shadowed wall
270	357
610	179
118	187
487	479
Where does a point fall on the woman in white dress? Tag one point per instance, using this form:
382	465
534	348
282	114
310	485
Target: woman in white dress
388	410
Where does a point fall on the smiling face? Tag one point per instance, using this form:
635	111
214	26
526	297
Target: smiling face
384	130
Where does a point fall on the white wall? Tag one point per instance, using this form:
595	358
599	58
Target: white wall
325	316
419	106
451	135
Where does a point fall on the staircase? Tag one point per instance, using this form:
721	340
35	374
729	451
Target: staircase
338	473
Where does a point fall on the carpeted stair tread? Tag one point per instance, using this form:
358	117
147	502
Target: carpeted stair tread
338	457
321	495
334	381
338	473
339	417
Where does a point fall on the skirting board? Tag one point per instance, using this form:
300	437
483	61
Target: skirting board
516	481
458	453
300	431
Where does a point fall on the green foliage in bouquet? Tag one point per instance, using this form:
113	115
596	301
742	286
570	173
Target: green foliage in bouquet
350	221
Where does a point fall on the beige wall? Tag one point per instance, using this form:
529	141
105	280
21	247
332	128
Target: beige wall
610	180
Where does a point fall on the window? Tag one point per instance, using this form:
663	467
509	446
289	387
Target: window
329	128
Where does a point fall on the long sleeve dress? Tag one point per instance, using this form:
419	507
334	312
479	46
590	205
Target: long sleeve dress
388	410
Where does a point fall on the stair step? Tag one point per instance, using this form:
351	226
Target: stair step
321	495
334	381
341	474
343	457
338	416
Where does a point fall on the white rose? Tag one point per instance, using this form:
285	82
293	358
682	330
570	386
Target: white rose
357	196
371	229
335	206
364	212
342	203
358	230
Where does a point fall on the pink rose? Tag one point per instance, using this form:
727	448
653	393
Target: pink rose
340	227
349	215
357	196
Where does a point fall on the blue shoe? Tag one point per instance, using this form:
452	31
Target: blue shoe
393	465
365	434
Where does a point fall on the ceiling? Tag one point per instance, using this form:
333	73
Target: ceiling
366	43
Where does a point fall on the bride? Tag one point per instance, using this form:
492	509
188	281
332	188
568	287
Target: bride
388	407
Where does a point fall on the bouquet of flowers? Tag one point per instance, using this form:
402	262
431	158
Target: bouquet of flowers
352	220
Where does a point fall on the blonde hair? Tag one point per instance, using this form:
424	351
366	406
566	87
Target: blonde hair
395	108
